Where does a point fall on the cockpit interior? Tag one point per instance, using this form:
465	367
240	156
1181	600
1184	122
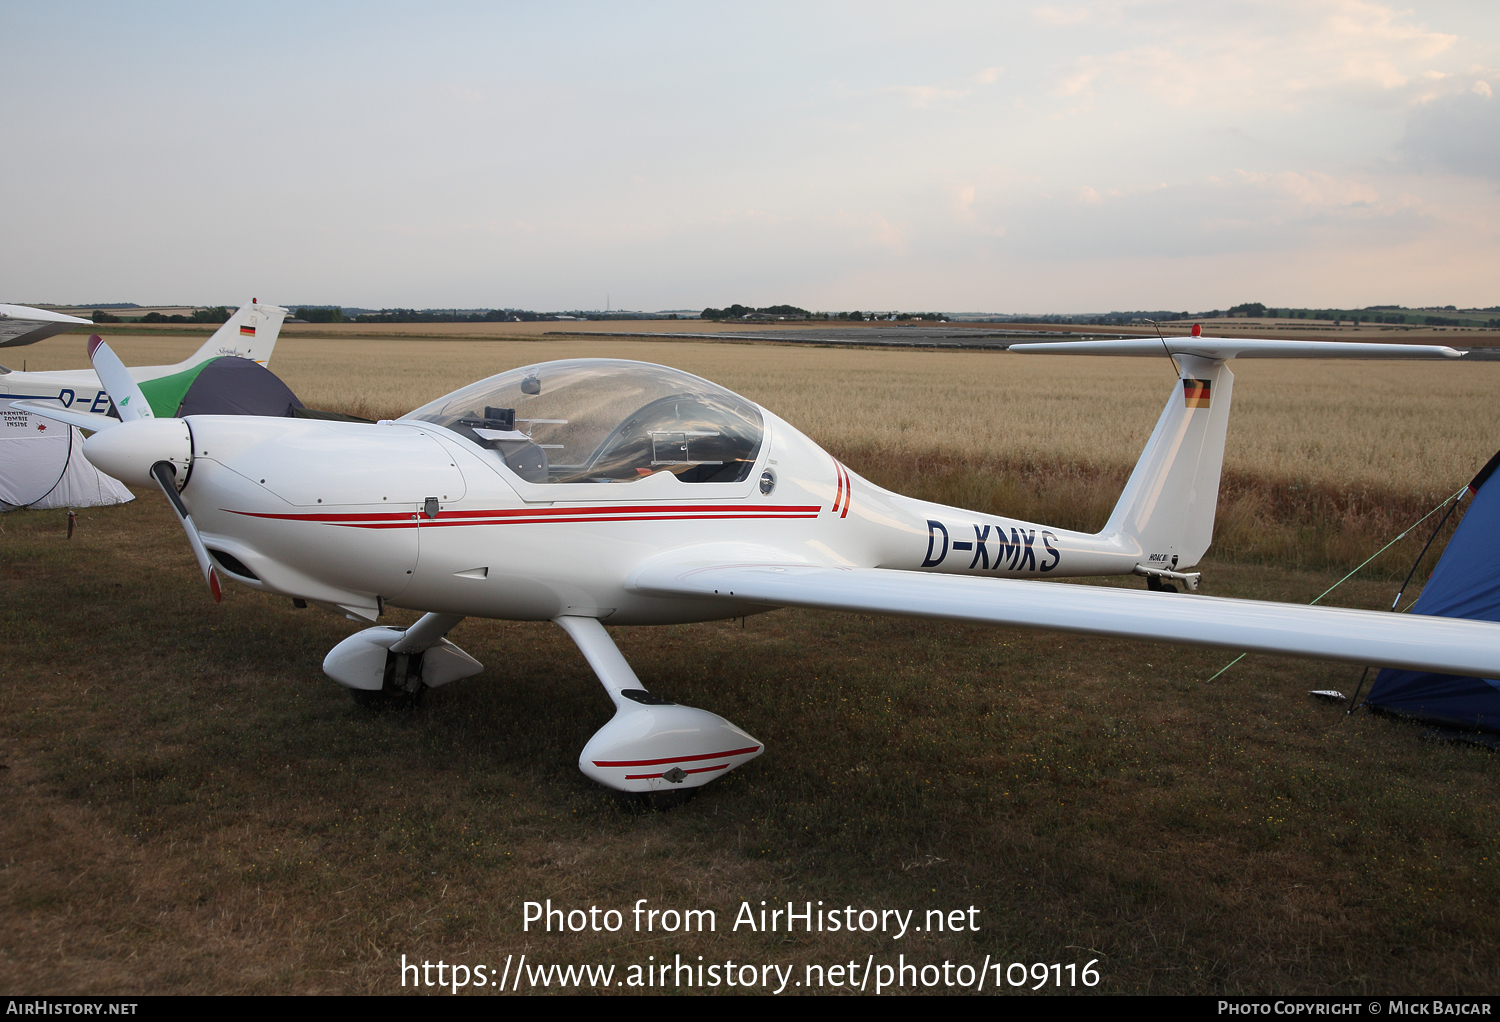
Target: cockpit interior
604	421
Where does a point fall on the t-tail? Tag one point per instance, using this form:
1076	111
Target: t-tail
1167	508
250	333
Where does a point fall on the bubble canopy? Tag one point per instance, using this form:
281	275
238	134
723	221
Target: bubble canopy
604	421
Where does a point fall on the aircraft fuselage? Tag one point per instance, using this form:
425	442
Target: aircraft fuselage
410	515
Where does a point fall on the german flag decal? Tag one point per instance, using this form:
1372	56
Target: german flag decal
1195	393
249	331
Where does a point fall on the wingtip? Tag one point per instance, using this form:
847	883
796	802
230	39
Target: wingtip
213	585
94	341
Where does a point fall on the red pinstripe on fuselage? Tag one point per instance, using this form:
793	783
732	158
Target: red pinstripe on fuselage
548	515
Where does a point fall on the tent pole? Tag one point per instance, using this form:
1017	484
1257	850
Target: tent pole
1354	698
1453	506
1417	563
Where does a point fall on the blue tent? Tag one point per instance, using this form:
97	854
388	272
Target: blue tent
1465	583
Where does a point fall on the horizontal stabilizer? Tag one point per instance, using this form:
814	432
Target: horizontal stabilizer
1228	347
1449	645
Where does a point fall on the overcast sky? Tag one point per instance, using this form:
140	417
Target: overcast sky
1126	154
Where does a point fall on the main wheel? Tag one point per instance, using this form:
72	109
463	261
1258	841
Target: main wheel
401	688
389	698
656	801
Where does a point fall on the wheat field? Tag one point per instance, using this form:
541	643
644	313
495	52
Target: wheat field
1420	428
1324	462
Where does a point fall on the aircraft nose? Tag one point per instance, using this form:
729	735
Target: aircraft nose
128	450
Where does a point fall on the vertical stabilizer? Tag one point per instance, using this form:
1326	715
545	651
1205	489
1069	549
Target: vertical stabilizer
1168	504
250	333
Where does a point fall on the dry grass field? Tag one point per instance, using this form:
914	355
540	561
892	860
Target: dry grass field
192	807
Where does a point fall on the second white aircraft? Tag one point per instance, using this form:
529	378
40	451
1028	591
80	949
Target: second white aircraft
250	333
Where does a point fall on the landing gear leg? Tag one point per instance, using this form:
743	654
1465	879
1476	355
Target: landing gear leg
390	668
652	747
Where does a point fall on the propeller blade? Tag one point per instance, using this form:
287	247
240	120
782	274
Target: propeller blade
118	383
165	476
132	405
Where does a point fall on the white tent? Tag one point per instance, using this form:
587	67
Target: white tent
42	465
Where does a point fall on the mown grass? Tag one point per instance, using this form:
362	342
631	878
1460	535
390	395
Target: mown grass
193	807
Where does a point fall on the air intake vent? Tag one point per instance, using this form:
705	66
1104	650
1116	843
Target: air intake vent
233	565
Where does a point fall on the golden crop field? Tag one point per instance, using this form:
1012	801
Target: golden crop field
1325	461
1415	428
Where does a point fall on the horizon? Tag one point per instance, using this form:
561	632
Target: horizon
292	307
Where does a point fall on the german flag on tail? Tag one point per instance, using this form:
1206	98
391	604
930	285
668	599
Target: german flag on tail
249	331
1195	393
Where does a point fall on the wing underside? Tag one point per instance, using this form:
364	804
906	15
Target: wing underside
20	324
1449	645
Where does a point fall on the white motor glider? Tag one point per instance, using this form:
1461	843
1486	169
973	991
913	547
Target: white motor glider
250	333
21	324
597	491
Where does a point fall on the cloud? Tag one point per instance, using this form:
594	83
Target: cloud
1314	188
1078	83
465	96
922	96
1257	55
1234	214
1458	133
989	75
1054	17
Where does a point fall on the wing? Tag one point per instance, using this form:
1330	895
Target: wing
83	420
1448	645
20	324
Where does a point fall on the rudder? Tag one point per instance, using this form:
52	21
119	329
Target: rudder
1169	503
250	333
